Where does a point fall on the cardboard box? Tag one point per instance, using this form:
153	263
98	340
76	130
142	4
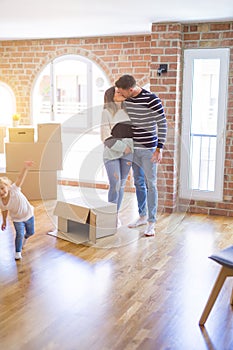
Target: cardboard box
37	185
24	134
47	156
88	220
49	132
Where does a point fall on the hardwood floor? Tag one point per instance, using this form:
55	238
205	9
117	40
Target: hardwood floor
146	293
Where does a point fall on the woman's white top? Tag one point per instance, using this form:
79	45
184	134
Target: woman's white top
108	122
18	205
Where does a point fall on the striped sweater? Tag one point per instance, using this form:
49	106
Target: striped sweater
149	123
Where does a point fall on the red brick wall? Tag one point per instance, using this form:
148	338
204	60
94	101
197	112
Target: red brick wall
21	61
166	47
140	55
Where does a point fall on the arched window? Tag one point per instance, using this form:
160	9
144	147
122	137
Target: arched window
70	90
67	86
7	104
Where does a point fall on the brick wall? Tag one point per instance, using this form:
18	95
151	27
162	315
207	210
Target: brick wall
21	61
140	55
166	47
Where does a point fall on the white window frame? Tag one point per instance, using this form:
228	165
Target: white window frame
189	56
91	94
7	105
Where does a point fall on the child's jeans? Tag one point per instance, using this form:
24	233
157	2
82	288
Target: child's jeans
23	229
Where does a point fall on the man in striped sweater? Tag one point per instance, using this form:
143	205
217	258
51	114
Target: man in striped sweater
149	128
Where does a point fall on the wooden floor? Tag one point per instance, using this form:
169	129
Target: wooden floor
147	293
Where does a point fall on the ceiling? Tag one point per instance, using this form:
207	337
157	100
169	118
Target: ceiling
27	19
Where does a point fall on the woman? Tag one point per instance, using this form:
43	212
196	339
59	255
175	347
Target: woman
118	145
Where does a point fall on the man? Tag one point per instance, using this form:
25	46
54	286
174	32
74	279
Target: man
149	128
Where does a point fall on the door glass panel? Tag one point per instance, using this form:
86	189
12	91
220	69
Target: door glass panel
204	113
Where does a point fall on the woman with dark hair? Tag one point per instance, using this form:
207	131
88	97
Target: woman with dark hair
118	144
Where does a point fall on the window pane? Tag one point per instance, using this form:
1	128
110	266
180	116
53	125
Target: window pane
70	90
42	97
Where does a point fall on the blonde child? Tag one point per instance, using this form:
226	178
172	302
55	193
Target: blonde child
12	200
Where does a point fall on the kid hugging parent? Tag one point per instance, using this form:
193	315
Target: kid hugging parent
149	129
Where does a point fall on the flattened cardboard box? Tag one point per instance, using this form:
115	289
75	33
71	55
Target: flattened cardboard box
89	220
46	156
37	185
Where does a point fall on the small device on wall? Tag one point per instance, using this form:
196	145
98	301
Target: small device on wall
162	69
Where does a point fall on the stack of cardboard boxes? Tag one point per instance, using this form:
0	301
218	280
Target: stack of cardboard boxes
83	219
46	152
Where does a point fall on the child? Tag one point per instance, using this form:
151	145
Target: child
20	210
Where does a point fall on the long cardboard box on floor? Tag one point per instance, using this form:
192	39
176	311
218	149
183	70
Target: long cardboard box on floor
46	156
37	185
